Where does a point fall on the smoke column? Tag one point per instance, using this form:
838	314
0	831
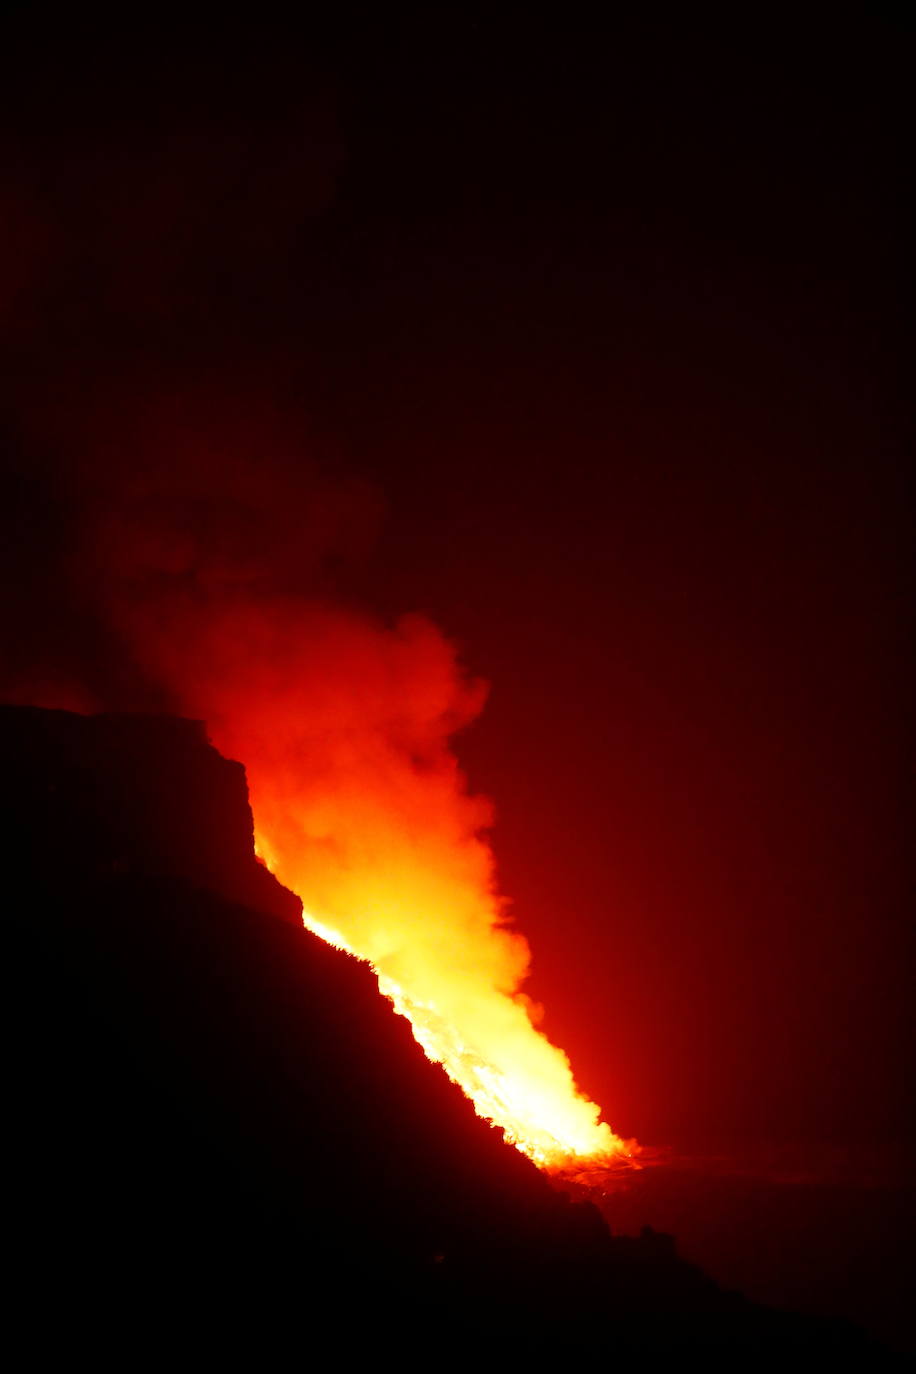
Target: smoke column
171	548
207	571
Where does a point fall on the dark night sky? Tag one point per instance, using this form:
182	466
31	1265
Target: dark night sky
608	321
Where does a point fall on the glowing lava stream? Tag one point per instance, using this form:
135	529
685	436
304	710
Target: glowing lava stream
521	1083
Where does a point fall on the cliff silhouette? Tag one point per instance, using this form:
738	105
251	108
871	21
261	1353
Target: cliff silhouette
224	1140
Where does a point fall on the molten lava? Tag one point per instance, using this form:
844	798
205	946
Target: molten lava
515	1078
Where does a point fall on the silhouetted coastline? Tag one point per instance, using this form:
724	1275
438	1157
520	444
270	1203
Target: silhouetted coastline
223	1136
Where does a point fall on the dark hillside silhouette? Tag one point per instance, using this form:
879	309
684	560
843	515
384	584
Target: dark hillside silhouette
222	1135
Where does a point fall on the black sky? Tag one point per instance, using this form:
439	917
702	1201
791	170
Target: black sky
600	330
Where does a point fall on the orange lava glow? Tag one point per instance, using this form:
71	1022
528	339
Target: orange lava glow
482	1037
344	726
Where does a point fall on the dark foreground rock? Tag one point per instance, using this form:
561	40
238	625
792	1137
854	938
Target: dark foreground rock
225	1143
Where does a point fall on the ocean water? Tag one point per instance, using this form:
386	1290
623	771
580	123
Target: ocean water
823	1228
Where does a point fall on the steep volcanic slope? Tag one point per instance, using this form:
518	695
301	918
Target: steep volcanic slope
221	1130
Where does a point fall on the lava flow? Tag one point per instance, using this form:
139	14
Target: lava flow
344	728
515	1078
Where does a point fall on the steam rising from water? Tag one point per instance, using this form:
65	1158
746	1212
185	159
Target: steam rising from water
344	726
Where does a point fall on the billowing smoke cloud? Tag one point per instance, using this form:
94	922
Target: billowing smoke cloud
177	542
345	726
208	570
